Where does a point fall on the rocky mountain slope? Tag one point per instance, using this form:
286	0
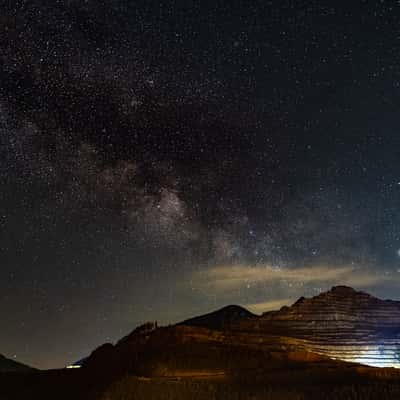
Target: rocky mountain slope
231	353
341	323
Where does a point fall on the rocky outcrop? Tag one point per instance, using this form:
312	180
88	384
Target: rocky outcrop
341	323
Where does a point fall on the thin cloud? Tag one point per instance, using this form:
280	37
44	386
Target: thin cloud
225	278
271	305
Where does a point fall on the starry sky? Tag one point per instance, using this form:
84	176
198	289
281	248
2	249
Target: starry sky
161	159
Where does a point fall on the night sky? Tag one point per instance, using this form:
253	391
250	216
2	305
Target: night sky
159	160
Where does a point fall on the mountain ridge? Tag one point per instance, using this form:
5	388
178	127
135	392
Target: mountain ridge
339	324
301	346
8	365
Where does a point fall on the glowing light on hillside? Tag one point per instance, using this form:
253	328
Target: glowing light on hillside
374	356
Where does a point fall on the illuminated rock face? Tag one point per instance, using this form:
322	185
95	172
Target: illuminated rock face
341	323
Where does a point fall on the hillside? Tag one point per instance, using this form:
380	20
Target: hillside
341	323
7	365
231	353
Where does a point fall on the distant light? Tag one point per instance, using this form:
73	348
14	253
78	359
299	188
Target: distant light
73	366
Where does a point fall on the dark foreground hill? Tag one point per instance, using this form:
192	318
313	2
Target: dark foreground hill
7	365
232	354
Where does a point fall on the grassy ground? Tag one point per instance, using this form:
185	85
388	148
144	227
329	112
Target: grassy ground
295	382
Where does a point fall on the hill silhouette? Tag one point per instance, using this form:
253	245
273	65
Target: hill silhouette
341	323
7	365
220	319
298	352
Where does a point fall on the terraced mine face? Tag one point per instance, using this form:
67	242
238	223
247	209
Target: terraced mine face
341	323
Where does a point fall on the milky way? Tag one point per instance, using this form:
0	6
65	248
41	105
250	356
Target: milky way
161	159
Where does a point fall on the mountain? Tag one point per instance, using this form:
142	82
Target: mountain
297	352
7	365
297	349
220	319
341	323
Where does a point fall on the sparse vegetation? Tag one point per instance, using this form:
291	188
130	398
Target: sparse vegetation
130	388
